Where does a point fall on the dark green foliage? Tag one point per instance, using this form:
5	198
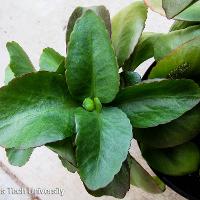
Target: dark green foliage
87	111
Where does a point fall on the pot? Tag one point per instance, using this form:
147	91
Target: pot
187	186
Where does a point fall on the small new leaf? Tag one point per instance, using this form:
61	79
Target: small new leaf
20	63
52	61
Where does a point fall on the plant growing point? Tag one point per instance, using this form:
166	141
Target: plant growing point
89	104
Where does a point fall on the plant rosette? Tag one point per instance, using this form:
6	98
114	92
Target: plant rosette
84	109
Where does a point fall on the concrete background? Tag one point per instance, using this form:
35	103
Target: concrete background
37	24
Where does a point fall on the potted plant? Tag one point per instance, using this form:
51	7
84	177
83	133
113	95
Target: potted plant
87	106
174	44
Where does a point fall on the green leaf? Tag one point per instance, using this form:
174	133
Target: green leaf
177	132
142	179
9	75
176	161
103	141
129	78
190	14
160	183
143	51
168	42
20	63
183	62
174	7
69	166
92	69
77	13
64	149
158	102
178	25
18	157
118	187
156	6
35	109
52	61
127	27
66	153
101	11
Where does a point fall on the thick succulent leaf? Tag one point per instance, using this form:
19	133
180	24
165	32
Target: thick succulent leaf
9	75
190	14
183	62
118	187
92	69
174	7
176	161
103	141
158	102
35	109
18	157
66	153
129	78
177	132
178	25
69	166
101	11
127	27
139	177
77	13
52	61
168	42
20	63
156	6
64	149
143	51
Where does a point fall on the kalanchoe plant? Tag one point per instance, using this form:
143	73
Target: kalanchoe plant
82	108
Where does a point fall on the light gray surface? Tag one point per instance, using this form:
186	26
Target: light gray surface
36	24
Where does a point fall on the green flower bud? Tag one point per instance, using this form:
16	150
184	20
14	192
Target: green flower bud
88	104
98	105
